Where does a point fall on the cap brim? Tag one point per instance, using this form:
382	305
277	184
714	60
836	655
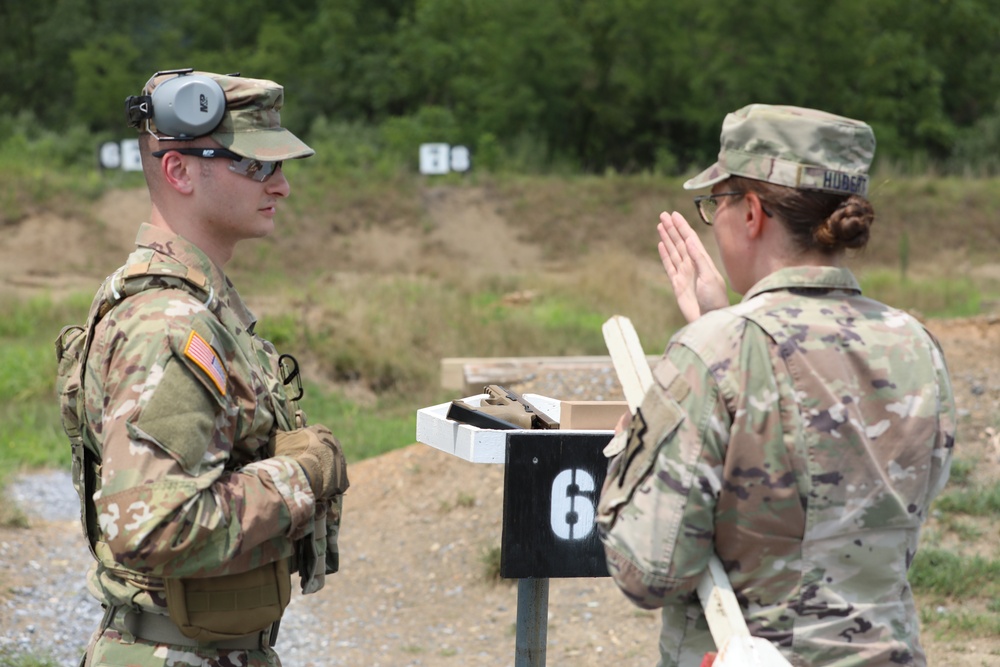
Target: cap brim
708	178
271	144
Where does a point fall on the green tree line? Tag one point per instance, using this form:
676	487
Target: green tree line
584	85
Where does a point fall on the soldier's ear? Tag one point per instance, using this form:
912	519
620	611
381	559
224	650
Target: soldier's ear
755	219
175	169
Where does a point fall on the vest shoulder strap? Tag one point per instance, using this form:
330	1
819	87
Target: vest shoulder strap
72	350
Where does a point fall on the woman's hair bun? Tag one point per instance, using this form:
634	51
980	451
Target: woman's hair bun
848	226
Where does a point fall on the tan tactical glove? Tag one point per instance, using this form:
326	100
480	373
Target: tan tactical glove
316	449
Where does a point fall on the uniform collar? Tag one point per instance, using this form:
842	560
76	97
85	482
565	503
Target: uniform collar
178	248
816	277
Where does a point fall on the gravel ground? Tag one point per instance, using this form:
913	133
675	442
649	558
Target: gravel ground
48	604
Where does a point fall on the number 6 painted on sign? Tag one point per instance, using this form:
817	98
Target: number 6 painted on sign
572	512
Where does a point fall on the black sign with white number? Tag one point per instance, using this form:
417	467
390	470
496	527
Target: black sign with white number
552	482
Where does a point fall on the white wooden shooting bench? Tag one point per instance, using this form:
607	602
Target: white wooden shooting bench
552	480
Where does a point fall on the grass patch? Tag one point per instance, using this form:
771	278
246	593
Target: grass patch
961	471
946	623
363	430
966	531
30	319
388	334
27	370
948	575
556	323
9	658
32	434
412	649
489	559
939	297
974	501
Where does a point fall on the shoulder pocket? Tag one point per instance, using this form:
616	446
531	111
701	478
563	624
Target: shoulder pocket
69	350
654	421
180	416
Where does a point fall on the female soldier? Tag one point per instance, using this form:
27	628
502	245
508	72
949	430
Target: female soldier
800	434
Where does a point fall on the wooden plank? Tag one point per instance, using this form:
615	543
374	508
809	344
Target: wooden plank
474	373
722	610
628	359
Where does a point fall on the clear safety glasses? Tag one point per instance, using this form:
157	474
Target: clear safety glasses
258	170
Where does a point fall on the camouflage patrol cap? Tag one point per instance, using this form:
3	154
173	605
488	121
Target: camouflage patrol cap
793	146
251	123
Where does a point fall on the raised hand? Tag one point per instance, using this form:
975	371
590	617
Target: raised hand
697	283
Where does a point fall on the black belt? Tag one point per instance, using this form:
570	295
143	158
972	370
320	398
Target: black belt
160	629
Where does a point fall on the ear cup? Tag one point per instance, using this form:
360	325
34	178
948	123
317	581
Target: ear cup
188	106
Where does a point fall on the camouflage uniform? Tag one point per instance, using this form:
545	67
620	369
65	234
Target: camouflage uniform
182	406
186	490
800	435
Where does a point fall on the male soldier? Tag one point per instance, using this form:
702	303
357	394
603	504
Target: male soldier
800	434
201	485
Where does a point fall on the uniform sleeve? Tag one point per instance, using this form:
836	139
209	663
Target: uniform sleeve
944	444
168	506
656	512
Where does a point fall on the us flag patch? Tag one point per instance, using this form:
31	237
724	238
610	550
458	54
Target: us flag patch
201	353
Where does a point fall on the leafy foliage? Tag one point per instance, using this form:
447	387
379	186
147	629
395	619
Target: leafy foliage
628	85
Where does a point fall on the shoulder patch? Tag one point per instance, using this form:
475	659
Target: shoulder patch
201	353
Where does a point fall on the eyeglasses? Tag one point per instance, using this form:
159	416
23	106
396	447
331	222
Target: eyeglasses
258	170
708	204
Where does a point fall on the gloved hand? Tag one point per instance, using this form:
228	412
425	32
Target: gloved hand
318	452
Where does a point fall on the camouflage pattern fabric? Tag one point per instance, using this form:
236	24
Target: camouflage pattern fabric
183	399
116	650
793	146
801	435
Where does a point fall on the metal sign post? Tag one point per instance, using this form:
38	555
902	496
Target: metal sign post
532	622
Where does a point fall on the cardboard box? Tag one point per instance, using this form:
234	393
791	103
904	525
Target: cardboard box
590	415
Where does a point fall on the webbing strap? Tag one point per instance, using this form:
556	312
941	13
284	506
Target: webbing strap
91	459
149	268
246	598
161	630
138	269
